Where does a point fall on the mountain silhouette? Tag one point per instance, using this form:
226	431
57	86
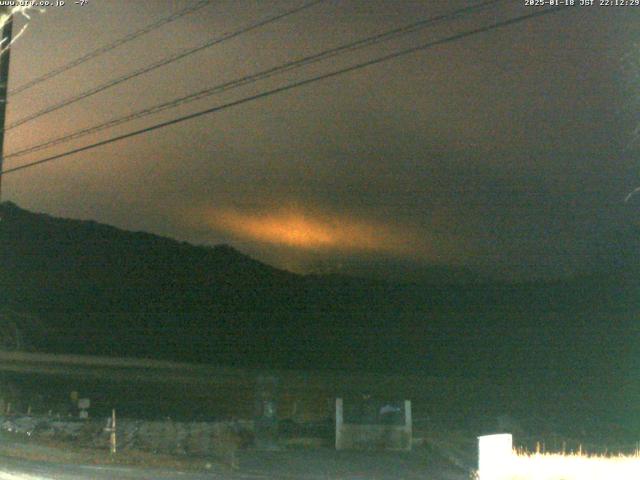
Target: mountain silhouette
96	289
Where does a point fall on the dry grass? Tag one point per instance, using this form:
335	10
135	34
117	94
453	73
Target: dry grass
552	466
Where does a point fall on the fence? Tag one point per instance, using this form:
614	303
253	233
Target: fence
206	439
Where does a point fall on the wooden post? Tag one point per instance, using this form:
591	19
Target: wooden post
112	437
408	423
339	423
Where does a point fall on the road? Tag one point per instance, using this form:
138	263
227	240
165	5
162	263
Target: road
303	465
17	469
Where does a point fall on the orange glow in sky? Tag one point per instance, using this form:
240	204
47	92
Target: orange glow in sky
319	232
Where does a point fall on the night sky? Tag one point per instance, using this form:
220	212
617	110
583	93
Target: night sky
510	152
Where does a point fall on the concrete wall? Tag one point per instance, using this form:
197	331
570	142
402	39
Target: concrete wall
351	436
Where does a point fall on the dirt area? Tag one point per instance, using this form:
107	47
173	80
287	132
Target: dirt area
43	450
300	463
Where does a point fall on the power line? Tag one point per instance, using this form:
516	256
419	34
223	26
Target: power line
352	46
161	63
292	86
106	48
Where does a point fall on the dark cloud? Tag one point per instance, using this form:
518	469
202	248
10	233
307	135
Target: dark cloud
510	151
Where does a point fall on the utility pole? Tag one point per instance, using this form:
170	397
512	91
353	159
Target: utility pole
6	34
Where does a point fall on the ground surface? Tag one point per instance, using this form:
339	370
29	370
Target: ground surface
319	464
329	464
296	466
